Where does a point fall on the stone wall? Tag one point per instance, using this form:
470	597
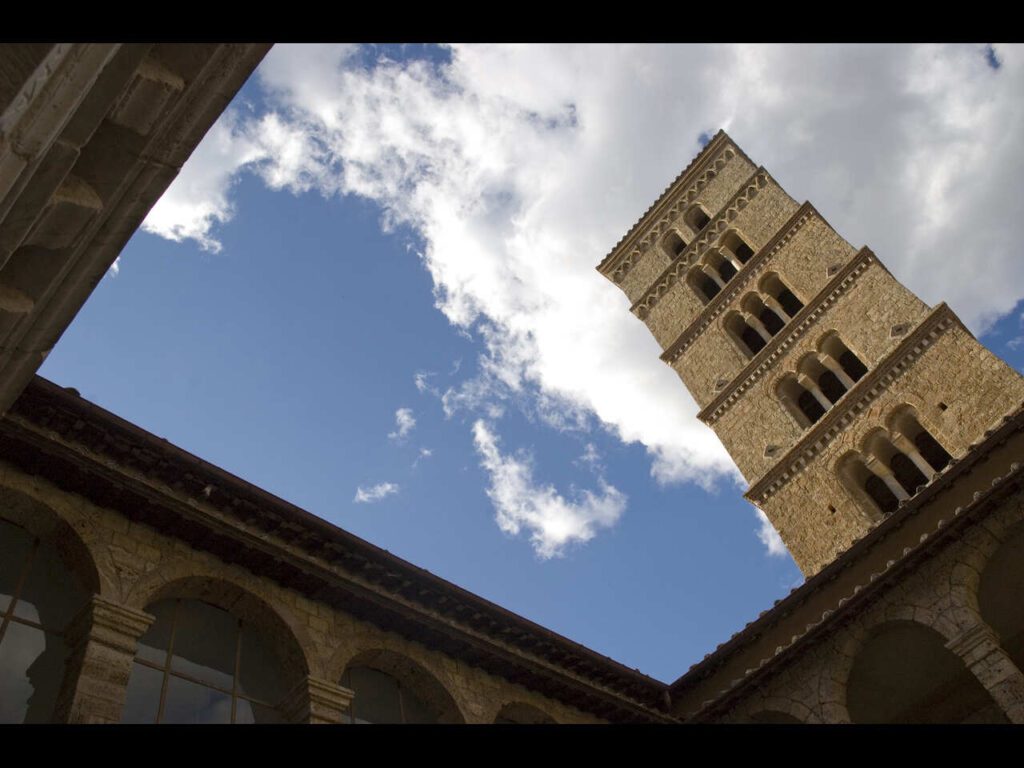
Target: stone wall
134	565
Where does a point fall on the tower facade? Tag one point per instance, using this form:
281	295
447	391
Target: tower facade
838	393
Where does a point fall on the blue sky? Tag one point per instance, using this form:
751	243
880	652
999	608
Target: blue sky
372	292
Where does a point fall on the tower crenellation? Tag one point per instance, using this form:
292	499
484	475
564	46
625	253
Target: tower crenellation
837	391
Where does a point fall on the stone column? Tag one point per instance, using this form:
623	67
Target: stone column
774	306
317	701
758	326
877	466
904	444
980	650
812	386
833	365
102	639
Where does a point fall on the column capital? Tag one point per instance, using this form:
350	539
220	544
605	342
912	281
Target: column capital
108	623
974	643
314	700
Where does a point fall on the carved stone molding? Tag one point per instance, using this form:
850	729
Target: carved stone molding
710	234
757	264
317	701
628	250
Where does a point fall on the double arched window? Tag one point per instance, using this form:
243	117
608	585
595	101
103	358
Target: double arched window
762	314
820	380
894	464
718	266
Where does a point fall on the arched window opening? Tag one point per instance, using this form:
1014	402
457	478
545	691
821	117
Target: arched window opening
852	366
702	284
932	450
198	663
802	405
773	286
696	218
738	246
752	339
880	494
906	422
770	320
810	406
869	485
748	339
906	473
831	386
38	598
381	698
726	270
673	244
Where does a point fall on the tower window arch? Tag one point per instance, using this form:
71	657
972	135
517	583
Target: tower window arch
773	286
696	218
673	244
906	423
846	360
747	338
702	284
736	245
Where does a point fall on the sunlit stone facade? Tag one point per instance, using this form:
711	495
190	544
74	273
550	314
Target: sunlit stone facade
141	584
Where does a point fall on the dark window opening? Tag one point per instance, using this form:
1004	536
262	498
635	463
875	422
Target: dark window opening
790	303
743	252
831	386
708	287
810	407
907	474
752	339
879	492
727	271
932	451
771	321
850	363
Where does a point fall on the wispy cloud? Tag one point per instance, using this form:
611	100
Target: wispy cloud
375	492
404	423
553	521
770	537
521	166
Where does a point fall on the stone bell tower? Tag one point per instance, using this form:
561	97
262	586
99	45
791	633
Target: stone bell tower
837	392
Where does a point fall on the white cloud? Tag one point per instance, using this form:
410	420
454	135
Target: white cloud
769	536
404	423
522	165
553	521
374	493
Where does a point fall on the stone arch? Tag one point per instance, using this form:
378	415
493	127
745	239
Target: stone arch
46	523
696	218
902	672
673	243
286	636
522	713
413	673
999	589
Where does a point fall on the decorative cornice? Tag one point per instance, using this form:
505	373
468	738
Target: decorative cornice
782	343
854	402
757	181
671	203
750	270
